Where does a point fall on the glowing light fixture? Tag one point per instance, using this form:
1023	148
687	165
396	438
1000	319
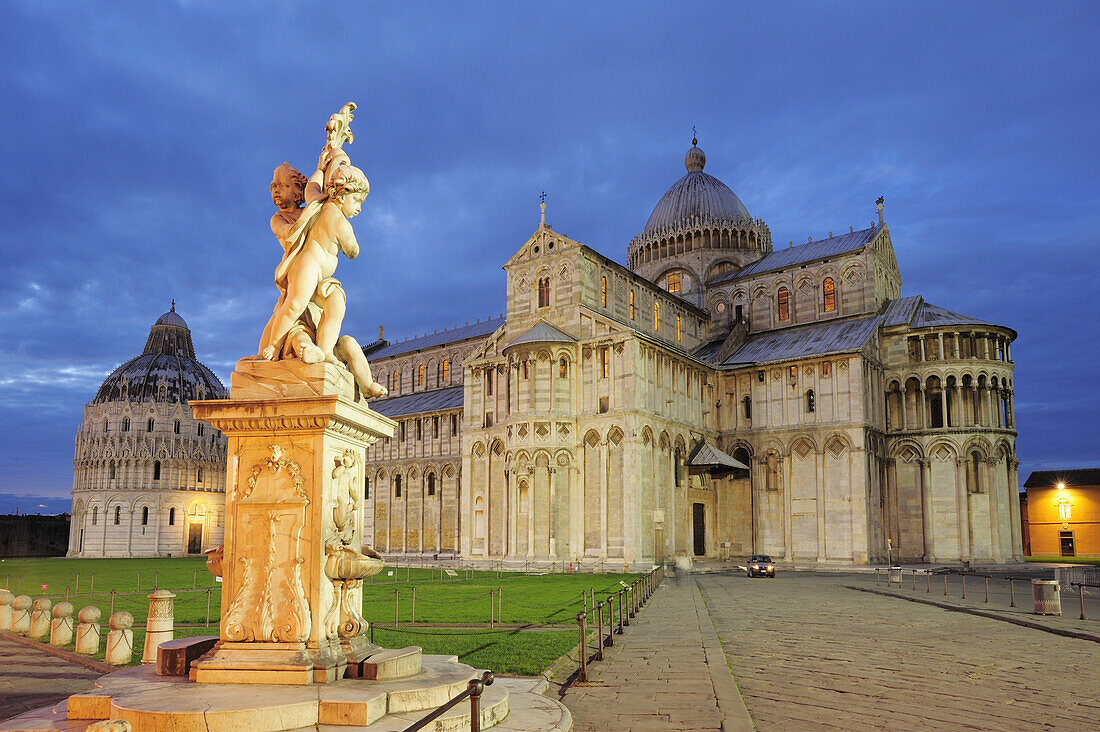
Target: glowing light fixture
1061	486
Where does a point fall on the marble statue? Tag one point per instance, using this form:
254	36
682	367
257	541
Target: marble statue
307	318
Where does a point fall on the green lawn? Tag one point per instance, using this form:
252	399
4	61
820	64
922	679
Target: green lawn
1063	560
551	599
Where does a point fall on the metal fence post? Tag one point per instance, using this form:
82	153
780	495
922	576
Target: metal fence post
945	584
928	580
610	620
1012	592
413	619
599	630
964	584
208	608
396	603
624	617
987	589
1081	597
138	588
582	674
492	605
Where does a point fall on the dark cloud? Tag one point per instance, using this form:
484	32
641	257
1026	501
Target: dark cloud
139	140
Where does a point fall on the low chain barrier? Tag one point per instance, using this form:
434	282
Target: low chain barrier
621	607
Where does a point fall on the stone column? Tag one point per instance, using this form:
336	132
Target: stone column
120	639
160	625
928	528
1014	509
292	567
890	522
61	627
87	632
40	619
943	406
6	599
962	497
21	615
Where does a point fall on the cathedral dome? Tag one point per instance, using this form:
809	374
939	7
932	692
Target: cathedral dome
166	371
697	194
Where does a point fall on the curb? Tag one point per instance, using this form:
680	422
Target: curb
70	656
985	614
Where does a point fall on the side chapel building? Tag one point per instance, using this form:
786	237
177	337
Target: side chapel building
715	396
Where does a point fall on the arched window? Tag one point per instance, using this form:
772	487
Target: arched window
772	481
366	488
95	515
198	475
431	484
563	368
446	371
420	375
489	381
784	300
657	316
679	330
172	517
973	473
747	402
603	362
603	292
811	401
118	515
397	486
632	304
149	425
126	424
144	515
111	471
544	292
526	369
176	427
828	295
156	470
1065	509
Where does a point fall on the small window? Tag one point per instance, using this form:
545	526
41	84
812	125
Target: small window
171	517
431	484
126	424
738	313
747	402
144	515
397	486
826	368
201	429
544	292
632	304
105	425
760	376
111	471
366	488
603	405
603	292
454	425
419	432
489	382
176	427
446	371
526	369
401	432
156	470
118	515
198	475
420	375
488	422
673	282
784	300
657	317
679	330
794	372
95	515
563	368
435	426
149	425
603	362
811	401
828	294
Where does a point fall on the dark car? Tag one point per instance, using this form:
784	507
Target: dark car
761	565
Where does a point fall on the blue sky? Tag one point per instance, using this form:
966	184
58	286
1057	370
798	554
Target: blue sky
138	141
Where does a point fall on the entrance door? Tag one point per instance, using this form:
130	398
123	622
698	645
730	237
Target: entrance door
194	538
699	528
1065	538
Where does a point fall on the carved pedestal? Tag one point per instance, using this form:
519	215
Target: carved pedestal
294	499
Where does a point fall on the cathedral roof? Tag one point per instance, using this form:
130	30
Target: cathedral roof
916	313
542	332
783	258
1071	477
436	400
483	328
169	361
818	339
697	194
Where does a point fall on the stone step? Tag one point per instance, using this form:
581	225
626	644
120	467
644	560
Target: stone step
494	708
388	664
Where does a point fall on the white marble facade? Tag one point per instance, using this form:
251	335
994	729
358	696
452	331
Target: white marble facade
148	479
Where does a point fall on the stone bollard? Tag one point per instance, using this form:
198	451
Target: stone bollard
120	641
159	626
40	619
87	632
21	615
61	628
6	599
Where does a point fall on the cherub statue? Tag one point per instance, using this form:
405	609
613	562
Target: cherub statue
307	319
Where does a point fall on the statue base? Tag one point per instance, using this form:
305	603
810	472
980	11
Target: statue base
293	556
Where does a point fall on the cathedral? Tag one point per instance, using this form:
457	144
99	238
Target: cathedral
716	397
148	479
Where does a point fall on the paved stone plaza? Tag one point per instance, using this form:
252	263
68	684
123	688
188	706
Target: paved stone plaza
31	678
809	653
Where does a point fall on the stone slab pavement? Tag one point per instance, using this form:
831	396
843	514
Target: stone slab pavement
666	672
32	678
810	653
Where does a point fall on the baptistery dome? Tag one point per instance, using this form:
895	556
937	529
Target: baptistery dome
166	370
